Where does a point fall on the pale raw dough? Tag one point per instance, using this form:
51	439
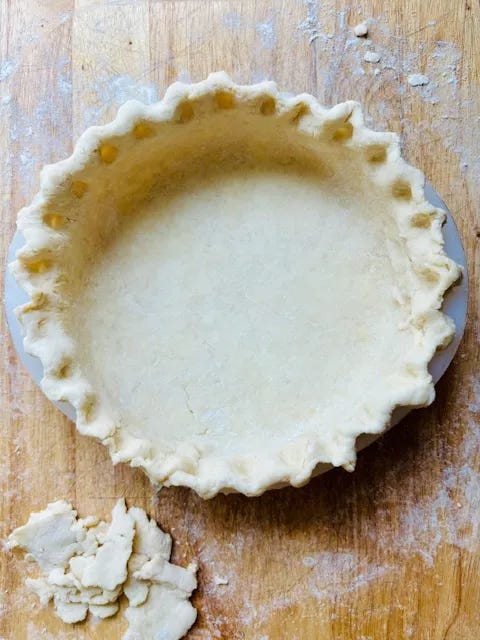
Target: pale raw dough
88	564
162	602
84	562
418	79
150	541
372	56
169	586
51	537
360	30
231	285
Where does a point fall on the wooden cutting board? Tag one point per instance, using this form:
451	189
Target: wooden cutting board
391	551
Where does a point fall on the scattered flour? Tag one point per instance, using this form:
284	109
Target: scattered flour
310	25
474	405
184	76
17	376
455	109
7	68
450	514
266	30
232	20
331	574
113	91
418	80
372	56
40	632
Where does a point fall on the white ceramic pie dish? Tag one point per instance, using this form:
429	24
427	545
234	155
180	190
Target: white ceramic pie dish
204	268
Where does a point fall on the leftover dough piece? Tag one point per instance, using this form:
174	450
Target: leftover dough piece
161	571
70	612
85	561
149	542
88	564
104	610
108	567
418	79
157	590
360	30
170	588
149	539
50	537
164	603
372	56
136	590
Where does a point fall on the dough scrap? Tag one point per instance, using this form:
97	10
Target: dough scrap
160	571
372	56
155	587
108	567
418	79
88	564
51	537
162	602
361	29
149	542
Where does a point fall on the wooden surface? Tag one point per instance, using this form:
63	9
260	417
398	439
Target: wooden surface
389	552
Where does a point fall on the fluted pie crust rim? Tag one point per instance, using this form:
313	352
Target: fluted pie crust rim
47	230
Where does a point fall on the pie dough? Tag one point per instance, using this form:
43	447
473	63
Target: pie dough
88	564
231	285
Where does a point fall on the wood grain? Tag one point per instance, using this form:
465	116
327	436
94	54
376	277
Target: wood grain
389	552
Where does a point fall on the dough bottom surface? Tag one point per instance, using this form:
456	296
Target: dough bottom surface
241	307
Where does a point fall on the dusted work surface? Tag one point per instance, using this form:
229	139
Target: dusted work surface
389	552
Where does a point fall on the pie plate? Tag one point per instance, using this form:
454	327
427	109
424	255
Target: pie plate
234	289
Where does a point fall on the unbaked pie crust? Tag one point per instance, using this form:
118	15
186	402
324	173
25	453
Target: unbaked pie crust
231	285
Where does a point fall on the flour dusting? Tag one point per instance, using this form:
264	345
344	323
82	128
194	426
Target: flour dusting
40	632
372	56
7	68
310	25
383	63
266	30
113	91
418	80
451	515
332	572
232	20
